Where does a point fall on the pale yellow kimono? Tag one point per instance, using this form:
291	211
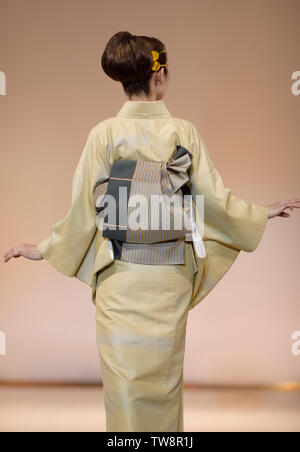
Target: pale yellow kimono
75	247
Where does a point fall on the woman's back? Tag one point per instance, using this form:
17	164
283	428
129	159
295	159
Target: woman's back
144	130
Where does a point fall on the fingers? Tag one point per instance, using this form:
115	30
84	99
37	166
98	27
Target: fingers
13	252
296	200
289	204
292	204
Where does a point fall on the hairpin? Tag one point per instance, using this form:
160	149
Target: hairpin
155	55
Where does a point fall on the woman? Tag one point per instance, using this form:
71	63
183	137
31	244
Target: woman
141	309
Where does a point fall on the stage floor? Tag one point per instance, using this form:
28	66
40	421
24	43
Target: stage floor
81	409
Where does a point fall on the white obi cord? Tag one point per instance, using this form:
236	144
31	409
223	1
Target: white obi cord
196	237
111	249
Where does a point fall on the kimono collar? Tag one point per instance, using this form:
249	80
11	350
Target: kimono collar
144	109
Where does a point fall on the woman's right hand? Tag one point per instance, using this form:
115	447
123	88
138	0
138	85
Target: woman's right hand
25	250
278	208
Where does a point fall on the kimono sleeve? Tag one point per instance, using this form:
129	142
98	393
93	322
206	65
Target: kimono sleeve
71	237
230	224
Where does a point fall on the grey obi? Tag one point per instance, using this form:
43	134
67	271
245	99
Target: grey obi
143	210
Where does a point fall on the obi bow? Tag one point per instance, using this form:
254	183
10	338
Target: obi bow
177	169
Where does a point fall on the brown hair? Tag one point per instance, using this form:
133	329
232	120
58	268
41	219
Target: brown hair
127	58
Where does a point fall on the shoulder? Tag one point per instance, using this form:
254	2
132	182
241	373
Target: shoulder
189	127
101	127
182	122
191	131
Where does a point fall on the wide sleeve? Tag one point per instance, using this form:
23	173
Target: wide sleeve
229	223
69	243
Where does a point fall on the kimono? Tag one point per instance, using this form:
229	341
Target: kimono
141	310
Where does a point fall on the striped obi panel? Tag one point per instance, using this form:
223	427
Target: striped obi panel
168	253
142	209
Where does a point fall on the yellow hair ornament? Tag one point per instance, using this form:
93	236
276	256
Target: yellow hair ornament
156	64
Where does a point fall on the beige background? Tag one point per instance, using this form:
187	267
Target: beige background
231	65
